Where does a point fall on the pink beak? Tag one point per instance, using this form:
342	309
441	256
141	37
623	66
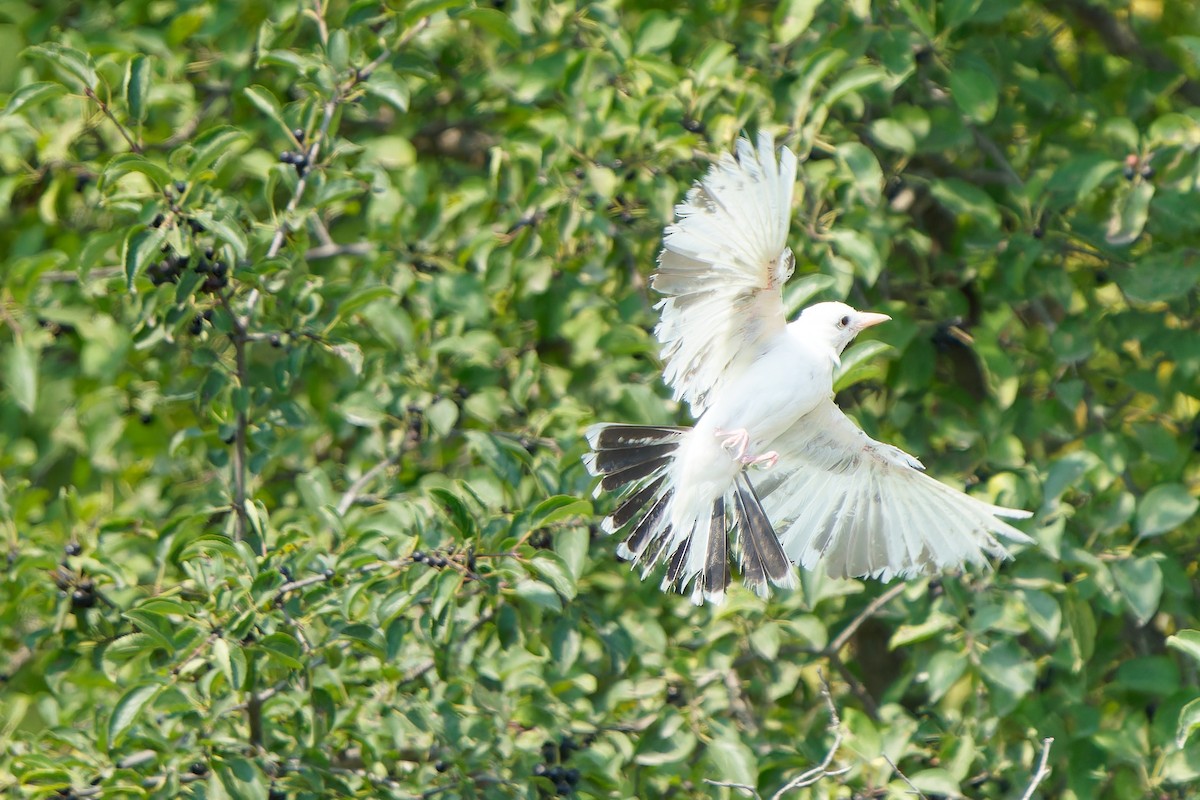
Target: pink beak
867	319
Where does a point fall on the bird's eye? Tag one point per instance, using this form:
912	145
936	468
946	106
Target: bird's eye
844	321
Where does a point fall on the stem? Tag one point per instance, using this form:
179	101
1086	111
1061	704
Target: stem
134	146
239	337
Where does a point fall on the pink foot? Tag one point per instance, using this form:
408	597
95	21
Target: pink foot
735	442
765	461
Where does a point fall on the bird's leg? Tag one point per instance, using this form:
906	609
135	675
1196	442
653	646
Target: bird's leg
735	442
765	461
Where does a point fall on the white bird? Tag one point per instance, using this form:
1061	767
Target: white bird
824	493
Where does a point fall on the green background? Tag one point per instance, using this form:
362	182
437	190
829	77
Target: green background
313	522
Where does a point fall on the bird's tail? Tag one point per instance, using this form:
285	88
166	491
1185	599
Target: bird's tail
638	460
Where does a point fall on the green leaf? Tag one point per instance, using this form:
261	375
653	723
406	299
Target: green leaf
558	508
732	761
125	163
390	89
360	299
936	781
657	31
965	200
224	229
792	18
1189	721
68	61
974	92
231	661
264	100
215	145
137	86
32	94
1164	508
21	375
1187	642
1140	581
862	361
1129	214
1156	675
1161	278
142	246
551	568
495	23
128	709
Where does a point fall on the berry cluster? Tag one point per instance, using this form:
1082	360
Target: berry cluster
420	557
299	159
553	757
198	322
1134	165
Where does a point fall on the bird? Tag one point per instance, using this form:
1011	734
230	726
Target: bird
772	470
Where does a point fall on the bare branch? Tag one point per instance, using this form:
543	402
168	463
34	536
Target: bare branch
903	777
1043	771
133	145
872	608
363	481
821	770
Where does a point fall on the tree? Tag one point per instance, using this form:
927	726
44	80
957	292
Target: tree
304	311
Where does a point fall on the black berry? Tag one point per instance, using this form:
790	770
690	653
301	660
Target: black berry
299	134
539	770
418	556
72	549
180	187
329	573
198	768
158	220
275	341
441	766
287	157
1128	172
572	776
83	597
692	125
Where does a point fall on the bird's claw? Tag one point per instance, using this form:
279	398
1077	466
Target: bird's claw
735	442
766	461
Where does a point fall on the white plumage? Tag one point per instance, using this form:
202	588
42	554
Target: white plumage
762	391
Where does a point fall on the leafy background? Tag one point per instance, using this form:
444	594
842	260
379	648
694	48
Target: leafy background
305	306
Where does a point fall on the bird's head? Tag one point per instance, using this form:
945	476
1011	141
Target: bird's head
835	324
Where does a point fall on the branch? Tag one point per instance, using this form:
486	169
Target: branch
134	146
1043	771
848	632
903	777
356	488
1122	41
238	337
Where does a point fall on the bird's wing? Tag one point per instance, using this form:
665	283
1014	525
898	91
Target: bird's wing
863	508
722	266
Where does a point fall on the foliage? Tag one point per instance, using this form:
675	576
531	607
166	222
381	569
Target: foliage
306	305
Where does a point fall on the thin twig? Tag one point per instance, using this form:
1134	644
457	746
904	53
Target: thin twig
352	493
879	602
903	777
237	335
134	146
1043	771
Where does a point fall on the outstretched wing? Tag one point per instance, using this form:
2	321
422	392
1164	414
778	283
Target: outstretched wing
722	266
863	508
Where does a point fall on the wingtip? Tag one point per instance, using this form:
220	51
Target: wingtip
589	461
592	434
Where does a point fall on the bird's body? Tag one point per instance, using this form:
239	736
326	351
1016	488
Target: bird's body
762	391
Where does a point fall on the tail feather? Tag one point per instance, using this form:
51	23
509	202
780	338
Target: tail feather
631	506
763	558
638	459
607	462
649	528
645	469
715	577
